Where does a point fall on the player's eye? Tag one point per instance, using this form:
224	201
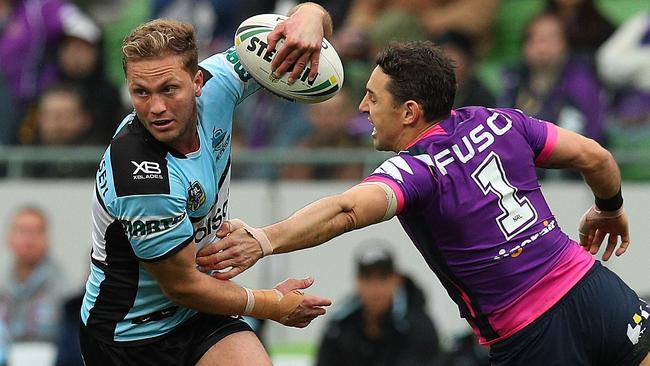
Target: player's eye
169	89
140	92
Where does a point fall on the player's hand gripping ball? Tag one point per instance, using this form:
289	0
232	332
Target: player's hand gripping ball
251	46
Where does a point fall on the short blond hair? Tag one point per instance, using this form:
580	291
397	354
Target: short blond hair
162	37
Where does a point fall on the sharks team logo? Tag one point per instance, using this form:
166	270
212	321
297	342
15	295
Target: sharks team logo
195	196
220	141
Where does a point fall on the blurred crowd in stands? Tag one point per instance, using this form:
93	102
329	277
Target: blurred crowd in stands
582	64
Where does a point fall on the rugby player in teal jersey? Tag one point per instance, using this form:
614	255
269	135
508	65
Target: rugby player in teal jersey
161	193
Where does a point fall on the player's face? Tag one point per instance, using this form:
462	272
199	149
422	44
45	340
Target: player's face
164	95
382	112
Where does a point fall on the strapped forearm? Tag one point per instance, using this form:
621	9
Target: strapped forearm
271	304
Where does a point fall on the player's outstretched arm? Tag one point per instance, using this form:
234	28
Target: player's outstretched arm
303	32
316	223
601	173
186	286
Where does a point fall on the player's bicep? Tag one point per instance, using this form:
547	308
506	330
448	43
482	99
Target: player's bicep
572	150
371	202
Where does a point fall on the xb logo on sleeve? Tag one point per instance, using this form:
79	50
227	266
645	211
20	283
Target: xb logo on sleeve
146	170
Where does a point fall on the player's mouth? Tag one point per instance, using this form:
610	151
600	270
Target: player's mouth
162	124
374	129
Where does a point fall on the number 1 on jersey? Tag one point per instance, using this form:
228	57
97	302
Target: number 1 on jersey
518	213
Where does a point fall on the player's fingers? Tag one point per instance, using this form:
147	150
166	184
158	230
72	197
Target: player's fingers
611	245
207	253
294	284
316	301
225	263
585	230
313	65
274	36
288	62
227	274
298	68
596	241
625	242
583	237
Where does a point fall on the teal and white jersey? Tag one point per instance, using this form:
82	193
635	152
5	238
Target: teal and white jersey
151	201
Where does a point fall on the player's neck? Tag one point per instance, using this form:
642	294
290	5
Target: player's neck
415	134
190	144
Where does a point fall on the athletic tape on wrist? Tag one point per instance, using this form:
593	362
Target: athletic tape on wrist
262	239
272	304
250	301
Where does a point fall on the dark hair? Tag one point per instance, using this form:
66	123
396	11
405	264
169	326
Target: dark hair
420	71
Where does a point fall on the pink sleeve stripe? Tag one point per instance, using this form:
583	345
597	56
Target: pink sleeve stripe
394	186
549	145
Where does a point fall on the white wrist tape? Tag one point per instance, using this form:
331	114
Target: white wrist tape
262	239
391	199
250	301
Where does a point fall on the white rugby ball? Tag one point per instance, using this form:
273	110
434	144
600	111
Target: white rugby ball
250	43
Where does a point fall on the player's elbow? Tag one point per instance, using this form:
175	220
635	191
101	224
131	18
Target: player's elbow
179	292
348	215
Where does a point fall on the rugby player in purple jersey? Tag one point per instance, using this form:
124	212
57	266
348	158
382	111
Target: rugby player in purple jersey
531	293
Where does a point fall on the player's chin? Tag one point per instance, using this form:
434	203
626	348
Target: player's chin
379	146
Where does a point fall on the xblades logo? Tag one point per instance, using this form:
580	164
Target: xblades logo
146	170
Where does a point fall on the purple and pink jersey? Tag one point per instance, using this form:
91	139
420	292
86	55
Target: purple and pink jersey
469	199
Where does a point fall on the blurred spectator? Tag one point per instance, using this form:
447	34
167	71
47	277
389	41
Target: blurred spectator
30	31
67	341
212	20
624	64
333	125
384	323
4	343
30	295
264	120
62	119
586	28
7	115
551	85
473	17
80	62
470	90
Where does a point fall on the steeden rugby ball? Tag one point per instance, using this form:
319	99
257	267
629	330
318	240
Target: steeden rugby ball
250	44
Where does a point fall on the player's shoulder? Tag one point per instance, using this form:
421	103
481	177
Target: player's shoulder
138	163
220	64
415	162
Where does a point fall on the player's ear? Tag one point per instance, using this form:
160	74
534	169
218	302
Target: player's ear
411	112
198	83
